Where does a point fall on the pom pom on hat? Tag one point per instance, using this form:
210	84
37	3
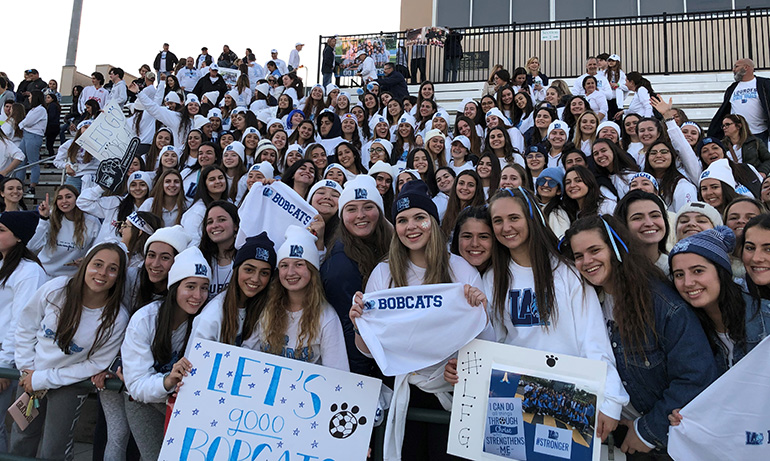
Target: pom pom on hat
362	187
174	236
189	263
299	244
715	244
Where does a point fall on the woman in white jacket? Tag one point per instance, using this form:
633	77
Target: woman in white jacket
64	233
70	330
10	154
156	339
21	274
180	123
33	129
79	164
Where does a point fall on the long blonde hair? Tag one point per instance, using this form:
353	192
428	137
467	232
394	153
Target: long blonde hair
274	320
435	253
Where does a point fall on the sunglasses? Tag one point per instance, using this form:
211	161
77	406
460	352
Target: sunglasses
550	182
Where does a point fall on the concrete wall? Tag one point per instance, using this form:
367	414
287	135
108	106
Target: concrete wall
71	77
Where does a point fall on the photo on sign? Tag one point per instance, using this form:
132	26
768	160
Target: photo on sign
559	414
381	49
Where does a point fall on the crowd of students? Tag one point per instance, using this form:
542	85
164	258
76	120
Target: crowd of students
578	234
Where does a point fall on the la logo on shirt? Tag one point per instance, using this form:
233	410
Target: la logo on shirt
523	308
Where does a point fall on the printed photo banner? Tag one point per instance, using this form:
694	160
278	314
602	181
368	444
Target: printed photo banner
434	36
524	404
381	48
400	325
272	209
728	420
239	404
108	136
230	76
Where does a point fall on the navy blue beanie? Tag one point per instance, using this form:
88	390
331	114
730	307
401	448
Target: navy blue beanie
21	223
414	194
709	140
715	244
259	247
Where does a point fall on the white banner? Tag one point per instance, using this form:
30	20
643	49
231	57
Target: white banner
731	418
108	136
524	404
239	404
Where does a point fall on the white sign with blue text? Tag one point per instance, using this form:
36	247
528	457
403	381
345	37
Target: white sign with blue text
108	136
514	403
239	404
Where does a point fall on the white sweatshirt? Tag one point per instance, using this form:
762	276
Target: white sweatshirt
169	217
55	259
35	121
79	166
103	207
577	327
192	221
170	118
14	295
9	152
143	381
146	130
36	349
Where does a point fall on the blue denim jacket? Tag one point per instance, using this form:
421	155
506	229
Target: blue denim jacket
757	329
675	368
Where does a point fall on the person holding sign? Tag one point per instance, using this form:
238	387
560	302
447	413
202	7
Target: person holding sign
297	321
70	330
418	256
156	338
231	317
64	233
660	348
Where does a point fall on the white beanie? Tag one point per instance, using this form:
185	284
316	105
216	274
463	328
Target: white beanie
265	115
191	98
215	113
265	146
434	133
199	121
265	168
720	170
462	140
463	103
362	187
318	85
295	147
144	176
331	166
189	263
557	125
331	87
407	118
324	183
173	97
238	110
495	112
299	244
165	149
384	143
382	167
703	208
249	130
212	96
273	121
610	124
238	148
441	113
233	93
174	236
375	120
263	88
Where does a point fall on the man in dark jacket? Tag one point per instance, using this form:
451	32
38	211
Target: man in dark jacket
212	82
32	82
227	58
453	52
327	64
748	97
393	82
165	59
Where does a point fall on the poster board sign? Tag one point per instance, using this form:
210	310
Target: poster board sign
108	136
514	403
434	36
382	49
243	404
550	35
230	76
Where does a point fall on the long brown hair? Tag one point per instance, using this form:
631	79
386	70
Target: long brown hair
72	309
158	194
275	318
139	237
455	206
366	252
17	114
633	310
57	216
436	254
235	299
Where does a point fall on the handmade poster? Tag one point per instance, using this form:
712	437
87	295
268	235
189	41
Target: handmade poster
239	404
381	48
230	76
729	419
514	403
108	136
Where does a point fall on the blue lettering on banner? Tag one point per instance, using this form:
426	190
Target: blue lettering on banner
410	302
523	308
293	210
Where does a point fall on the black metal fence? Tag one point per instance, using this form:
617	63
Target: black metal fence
659	44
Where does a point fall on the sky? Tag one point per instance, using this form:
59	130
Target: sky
126	34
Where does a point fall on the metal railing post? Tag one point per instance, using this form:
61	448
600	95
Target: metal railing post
748	32
665	45
588	45
320	54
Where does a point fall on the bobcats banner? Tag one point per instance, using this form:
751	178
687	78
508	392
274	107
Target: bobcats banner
240	404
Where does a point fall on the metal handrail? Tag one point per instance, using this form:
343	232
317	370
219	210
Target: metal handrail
112	384
24	167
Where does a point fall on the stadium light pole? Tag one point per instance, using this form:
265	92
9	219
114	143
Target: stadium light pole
72	44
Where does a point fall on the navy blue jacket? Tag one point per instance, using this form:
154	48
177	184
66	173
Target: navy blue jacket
677	364
341	279
757	329
395	84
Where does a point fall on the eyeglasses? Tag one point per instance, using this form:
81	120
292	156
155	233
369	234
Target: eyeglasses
725	125
378	150
661	151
